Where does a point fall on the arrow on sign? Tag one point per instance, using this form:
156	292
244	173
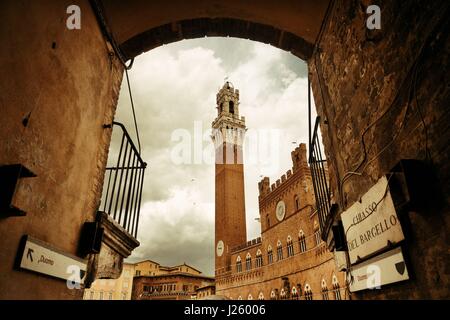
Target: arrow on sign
29	254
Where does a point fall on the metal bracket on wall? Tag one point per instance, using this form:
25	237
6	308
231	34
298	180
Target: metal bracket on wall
414	186
340	242
9	177
91	238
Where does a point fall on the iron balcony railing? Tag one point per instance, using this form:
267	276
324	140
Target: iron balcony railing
319	177
122	188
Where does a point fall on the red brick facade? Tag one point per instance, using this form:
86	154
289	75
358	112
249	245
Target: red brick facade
301	267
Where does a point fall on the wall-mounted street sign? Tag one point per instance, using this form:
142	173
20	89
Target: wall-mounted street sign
371	224
383	269
44	258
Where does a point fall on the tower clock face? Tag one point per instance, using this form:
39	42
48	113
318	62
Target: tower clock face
281	210
219	248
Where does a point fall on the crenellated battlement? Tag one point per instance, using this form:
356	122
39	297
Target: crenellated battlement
299	163
227	100
246	245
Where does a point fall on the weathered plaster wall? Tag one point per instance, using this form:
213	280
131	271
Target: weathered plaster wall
356	76
67	86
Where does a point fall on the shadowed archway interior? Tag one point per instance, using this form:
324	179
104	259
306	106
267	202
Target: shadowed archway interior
139	26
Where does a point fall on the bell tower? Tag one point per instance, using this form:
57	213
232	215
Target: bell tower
228	137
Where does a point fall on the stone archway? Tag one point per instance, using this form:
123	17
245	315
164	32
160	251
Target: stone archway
139	26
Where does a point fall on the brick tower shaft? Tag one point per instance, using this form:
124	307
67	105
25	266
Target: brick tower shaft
228	136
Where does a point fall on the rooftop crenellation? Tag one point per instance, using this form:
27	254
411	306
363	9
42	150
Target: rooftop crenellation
246	245
299	162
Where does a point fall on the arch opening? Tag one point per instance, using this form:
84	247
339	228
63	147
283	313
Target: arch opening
215	27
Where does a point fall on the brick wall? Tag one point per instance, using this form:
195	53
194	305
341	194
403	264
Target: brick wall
304	267
397	78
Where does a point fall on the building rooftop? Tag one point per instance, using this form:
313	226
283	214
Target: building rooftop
174	274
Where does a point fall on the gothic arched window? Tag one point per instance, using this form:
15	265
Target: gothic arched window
324	290
336	288
238	264
308	292
317	233
302	241
294	293
317	237
273	295
290	247
283	294
248	262
279	251
269	254
259	259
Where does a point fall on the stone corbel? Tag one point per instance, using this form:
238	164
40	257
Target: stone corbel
117	244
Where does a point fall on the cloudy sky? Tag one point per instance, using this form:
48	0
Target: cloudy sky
174	89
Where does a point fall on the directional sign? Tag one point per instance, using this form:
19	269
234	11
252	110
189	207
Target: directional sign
42	257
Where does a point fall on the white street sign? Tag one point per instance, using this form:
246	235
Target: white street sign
372	224
386	268
42	257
